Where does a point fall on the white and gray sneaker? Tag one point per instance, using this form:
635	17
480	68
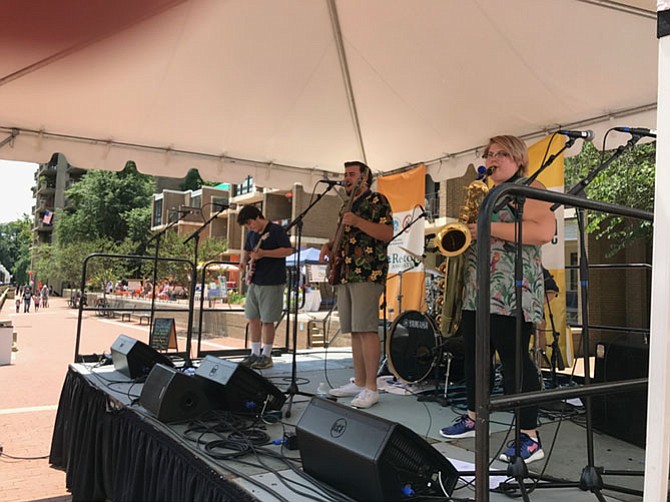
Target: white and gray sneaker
348	390
365	399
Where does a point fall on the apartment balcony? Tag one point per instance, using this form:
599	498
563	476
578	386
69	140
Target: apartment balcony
45	188
46	170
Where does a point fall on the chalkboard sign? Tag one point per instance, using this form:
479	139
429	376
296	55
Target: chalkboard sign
163	334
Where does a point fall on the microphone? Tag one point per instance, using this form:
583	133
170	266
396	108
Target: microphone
333	183
587	135
482	172
427	215
219	207
180	212
638	131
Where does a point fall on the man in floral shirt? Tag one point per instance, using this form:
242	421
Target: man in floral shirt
362	254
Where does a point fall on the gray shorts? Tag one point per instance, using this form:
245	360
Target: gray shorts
358	306
264	302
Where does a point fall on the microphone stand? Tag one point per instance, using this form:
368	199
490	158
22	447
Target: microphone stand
195	236
383	363
568	144
591	476
293	389
157	237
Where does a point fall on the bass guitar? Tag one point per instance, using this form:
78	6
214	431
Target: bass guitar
334	267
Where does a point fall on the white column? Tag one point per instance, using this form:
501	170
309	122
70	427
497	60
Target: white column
658	408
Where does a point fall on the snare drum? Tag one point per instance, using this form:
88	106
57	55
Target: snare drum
412	348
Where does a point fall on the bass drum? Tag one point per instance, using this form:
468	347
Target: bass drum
412	348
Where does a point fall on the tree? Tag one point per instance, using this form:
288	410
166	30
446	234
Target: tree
627	181
15	240
192	180
102	205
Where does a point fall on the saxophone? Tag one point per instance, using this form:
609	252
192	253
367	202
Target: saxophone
452	241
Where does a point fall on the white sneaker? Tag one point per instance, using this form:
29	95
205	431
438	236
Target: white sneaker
365	399
348	390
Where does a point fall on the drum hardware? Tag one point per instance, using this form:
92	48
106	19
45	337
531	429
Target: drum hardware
412	347
429	269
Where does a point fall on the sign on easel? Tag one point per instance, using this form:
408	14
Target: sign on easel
164	334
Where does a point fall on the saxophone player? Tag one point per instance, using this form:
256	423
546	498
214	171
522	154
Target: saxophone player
507	160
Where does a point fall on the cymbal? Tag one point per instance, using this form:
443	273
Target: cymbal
428	268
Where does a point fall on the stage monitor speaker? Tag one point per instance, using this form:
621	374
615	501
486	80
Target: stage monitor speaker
370	458
172	396
134	358
621	414
236	388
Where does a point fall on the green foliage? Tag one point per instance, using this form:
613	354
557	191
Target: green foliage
110	212
102	205
172	246
63	262
628	181
15	238
236	298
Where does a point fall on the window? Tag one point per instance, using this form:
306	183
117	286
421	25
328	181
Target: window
158	213
247	186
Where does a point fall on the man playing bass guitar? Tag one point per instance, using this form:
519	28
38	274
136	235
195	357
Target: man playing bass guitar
361	263
266	248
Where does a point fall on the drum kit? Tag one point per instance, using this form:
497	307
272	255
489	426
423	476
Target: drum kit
415	348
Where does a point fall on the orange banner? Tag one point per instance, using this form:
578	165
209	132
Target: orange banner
405	286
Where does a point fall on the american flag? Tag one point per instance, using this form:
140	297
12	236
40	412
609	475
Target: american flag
48	216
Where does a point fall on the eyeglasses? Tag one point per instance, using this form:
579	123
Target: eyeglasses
502	154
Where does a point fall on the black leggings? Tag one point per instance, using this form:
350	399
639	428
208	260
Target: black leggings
503	337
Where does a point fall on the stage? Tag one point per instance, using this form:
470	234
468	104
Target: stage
111	448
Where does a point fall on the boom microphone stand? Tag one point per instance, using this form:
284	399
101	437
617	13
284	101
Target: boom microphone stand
293	389
415	260
195	236
591	476
157	237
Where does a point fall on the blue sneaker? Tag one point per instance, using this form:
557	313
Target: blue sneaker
464	427
530	450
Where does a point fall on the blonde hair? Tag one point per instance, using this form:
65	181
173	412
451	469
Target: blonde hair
515	147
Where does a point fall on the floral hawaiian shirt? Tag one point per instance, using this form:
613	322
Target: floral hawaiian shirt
364	259
503	290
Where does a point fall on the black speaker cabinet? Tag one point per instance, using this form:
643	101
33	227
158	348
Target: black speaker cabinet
236	388
622	414
367	457
172	396
134	358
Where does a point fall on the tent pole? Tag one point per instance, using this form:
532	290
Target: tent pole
344	65
658	407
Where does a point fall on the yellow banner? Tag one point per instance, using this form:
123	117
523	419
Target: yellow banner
405	283
553	253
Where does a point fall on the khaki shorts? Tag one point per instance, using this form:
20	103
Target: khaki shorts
358	306
264	302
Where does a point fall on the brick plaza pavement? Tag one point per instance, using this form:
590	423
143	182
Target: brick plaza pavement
30	388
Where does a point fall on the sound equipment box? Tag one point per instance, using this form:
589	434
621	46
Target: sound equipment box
370	458
172	396
621	414
134	358
236	388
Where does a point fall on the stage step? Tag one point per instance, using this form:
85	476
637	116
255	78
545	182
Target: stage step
316	336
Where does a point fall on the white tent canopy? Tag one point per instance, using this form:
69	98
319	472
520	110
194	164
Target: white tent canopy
286	90
259	87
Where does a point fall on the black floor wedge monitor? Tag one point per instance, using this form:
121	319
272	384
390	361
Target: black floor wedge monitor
135	359
172	396
232	387
370	458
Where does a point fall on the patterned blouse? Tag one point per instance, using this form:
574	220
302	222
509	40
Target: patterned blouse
364	259
503	291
